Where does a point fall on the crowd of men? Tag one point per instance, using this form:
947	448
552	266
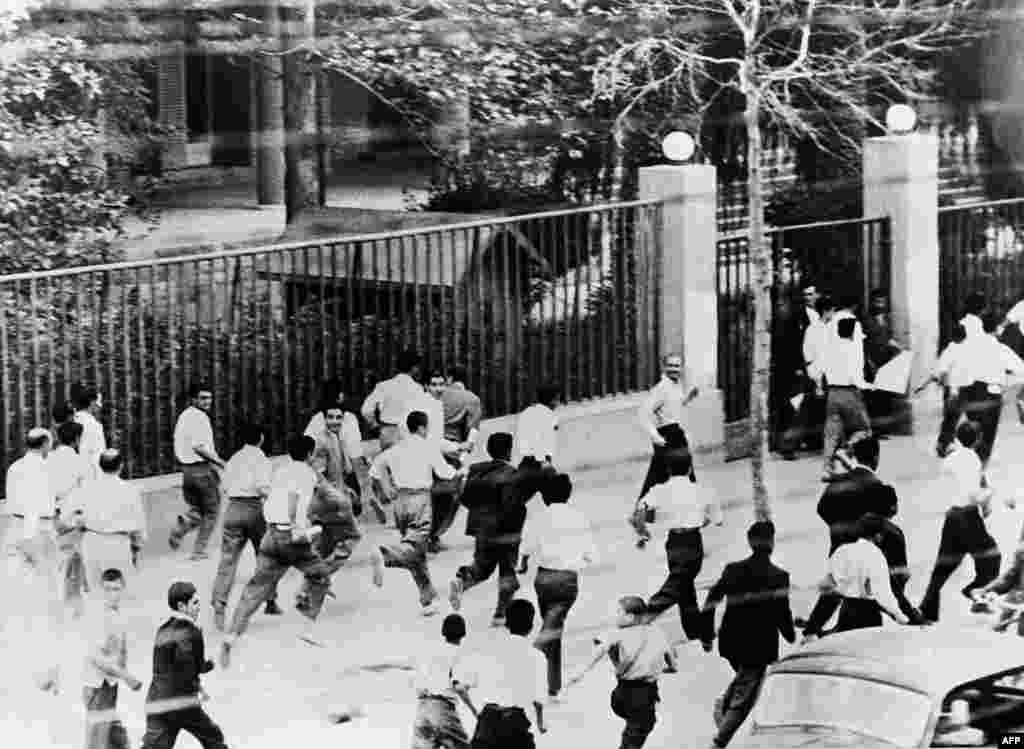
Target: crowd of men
77	528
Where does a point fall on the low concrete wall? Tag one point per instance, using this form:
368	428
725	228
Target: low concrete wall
597	433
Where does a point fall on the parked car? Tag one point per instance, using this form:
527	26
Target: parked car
892	687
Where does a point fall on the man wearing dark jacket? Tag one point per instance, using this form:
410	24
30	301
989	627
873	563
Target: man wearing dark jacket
757	611
844	502
856	493
497	512
174	700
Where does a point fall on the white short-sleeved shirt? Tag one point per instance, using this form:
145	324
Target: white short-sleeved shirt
93	441
292	477
248	473
536	433
351	437
68	471
192	430
513	673
558	537
29	492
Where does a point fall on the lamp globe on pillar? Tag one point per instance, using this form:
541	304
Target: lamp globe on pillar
678	146
900	119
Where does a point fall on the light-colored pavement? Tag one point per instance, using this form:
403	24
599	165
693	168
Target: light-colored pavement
280	689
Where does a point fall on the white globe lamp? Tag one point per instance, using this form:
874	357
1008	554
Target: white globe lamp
900	119
678	146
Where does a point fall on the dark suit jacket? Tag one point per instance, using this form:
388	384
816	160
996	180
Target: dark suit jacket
179	657
849	498
493	497
757	611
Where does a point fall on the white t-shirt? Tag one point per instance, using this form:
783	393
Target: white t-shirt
192	430
292	477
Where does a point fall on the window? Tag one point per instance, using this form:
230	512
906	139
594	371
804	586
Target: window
843	703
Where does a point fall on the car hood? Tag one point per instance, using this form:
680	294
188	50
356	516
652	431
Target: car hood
811	738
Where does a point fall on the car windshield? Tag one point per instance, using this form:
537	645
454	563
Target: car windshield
870	708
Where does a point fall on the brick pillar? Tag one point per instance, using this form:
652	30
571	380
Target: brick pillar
171	107
689	309
901	180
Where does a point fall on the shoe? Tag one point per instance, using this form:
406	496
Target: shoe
429	609
829	478
555	699
980	607
497	621
225	654
220	619
377	560
272	609
455	594
174	540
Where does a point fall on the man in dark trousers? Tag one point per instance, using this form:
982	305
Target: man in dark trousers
789	373
757	611
497	512
174	701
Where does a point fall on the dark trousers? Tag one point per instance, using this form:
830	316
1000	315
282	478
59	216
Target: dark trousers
807	425
733	707
963	532
951	412
889	412
412	518
858	613
104	729
657	471
845	415
278	553
243	524
490	554
502	728
557	591
685	550
162	729
444	504
634	702
985	408
201	489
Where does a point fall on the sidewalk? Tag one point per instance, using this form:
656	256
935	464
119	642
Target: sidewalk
279	689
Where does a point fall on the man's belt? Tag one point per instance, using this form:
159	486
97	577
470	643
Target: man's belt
386	424
841	387
281	526
245	499
22	517
684	530
108	533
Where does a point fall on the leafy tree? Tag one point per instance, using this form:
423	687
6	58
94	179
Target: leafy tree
806	67
65	121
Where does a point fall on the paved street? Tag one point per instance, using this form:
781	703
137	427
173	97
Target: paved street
279	689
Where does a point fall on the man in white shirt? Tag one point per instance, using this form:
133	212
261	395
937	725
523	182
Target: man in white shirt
110	511
351	434
287	543
68	472
30	505
409	469
987	363
106	664
859	573
247	477
951	373
390	402
963	530
536	439
842	367
685	509
90	404
196	453
511	678
662	417
561	543
444	494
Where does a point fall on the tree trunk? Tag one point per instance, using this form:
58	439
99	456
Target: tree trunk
762	257
269	114
301	190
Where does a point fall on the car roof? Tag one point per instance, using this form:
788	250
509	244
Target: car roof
932	659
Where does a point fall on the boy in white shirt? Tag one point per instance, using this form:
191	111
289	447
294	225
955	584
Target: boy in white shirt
964	531
536	439
441	679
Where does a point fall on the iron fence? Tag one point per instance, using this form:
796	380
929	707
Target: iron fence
839	257
981	249
571	296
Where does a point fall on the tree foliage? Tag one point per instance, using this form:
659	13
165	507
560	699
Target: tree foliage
65	121
810	67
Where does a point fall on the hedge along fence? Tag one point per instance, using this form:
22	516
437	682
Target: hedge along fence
515	301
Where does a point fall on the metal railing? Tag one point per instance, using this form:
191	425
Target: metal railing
840	257
570	296
981	249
